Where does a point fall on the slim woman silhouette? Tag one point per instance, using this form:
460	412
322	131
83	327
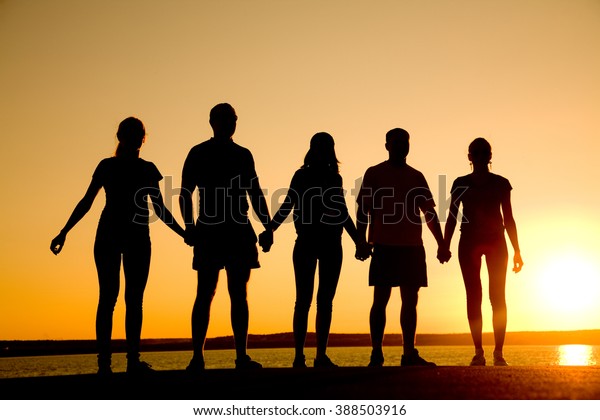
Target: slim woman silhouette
320	215
487	212
123	232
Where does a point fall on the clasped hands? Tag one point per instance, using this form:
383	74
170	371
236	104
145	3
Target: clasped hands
443	254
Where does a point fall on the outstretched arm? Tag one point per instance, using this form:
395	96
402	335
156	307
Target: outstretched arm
433	223
511	230
363	249
163	212
452	220
80	210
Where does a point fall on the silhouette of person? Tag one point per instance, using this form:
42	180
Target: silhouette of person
390	202
224	174
320	215
487	211
123	234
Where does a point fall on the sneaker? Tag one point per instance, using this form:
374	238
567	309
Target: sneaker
195	367
499	360
324	362
299	362
478	360
376	359
104	371
414	359
139	368
246	363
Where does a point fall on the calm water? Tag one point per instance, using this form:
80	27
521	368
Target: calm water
568	355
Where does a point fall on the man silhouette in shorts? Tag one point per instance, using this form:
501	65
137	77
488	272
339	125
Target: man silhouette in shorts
224	174
390	202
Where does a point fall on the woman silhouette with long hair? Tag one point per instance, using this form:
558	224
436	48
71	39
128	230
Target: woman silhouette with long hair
487	212
320	216
123	234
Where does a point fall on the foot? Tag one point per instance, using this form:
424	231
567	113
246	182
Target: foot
499	359
376	359
196	366
478	360
299	362
139	368
246	363
104	371
324	362
413	359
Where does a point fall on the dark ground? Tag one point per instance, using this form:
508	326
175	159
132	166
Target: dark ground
348	383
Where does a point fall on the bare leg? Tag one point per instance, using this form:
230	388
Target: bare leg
470	265
377	318
408	317
237	281
207	285
497	261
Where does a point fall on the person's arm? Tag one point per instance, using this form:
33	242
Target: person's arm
452	220
511	230
80	210
186	205
163	212
433	223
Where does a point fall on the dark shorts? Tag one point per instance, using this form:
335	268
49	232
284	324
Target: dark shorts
217	248
393	266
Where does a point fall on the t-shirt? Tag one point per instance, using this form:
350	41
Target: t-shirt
481	200
394	197
317	197
224	173
127	183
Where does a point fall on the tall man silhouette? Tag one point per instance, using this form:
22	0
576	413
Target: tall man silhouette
222	236
390	202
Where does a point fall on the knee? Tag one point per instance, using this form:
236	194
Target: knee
324	305
302	305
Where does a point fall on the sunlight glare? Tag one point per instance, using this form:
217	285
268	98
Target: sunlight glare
575	355
570	284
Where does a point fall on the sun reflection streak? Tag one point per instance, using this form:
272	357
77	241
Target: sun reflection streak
576	355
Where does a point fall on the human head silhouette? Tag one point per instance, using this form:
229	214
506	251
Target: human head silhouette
131	135
223	120
321	154
480	152
397	144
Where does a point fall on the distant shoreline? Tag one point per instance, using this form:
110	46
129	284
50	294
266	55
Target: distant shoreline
19	348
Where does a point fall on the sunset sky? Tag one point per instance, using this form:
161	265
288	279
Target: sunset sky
525	74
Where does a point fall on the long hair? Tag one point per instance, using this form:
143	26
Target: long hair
131	134
321	154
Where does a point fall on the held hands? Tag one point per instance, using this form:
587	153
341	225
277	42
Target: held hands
443	254
189	237
265	240
57	243
517	262
363	251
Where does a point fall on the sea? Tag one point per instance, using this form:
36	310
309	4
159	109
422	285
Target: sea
516	355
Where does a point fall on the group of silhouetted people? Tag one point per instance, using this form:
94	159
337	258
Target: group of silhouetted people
391	202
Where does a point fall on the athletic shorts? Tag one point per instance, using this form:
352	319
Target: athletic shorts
393	266
225	247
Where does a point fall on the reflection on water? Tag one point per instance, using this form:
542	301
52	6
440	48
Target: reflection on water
521	355
576	355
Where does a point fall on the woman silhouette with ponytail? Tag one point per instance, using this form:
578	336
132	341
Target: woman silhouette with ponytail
123	234
487	212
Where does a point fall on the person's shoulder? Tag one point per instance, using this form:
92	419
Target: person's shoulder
413	171
500	180
105	164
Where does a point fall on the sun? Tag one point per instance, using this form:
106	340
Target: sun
570	284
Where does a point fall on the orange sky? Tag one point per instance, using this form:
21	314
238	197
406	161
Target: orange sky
523	74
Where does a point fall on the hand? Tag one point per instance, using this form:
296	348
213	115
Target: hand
265	240
57	243
443	254
363	251
517	262
190	235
